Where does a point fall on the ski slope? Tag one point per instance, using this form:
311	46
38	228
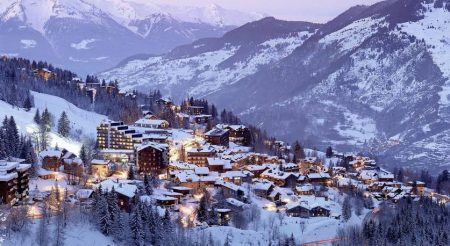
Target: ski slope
82	121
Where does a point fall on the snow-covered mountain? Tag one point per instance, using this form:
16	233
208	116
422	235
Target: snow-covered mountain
93	35
376	77
212	64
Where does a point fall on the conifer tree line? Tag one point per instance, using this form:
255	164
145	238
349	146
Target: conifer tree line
142	225
422	222
14	145
17	79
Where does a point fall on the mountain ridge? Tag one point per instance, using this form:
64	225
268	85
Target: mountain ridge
374	78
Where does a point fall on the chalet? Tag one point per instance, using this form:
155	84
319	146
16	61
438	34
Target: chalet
84	194
125	190
182	190
319	178
306	189
164	102
152	123
310	164
418	187
166	200
195	110
202	118
280	178
223	215
199	156
51	159
73	166
218	136
296	209
385	176
102	168
188	178
218	165
231	190
43	73
262	187
152	158
237	177
309	206
173	194
14	179
239	134
257	170
289	167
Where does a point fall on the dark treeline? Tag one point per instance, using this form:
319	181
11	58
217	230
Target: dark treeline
422	222
17	78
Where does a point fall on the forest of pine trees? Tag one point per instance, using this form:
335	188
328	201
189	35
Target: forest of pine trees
422	222
17	79
14	145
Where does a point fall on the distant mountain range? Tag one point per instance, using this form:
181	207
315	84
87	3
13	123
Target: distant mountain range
375	79
93	35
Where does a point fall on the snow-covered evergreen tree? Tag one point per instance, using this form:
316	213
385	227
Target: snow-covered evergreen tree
64	125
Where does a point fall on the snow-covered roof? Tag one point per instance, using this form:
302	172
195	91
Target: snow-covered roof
84	193
216	132
201	170
7	166
318	175
304	188
230	185
50	153
309	202
235	202
241	173
150	122
262	184
158	146
124	187
277	174
100	162
182	165
23	167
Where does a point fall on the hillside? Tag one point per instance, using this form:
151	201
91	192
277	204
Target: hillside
209	65
83	123
374	79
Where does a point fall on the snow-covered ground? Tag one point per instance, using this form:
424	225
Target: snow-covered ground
81	120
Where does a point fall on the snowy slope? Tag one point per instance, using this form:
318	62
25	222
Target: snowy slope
82	120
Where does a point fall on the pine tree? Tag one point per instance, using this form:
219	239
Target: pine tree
103	216
299	152
46	120
329	152
202	210
346	209
27	104
136	227
13	138
64	125
147	186
130	174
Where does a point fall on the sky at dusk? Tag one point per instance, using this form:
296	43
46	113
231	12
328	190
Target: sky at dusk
308	10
